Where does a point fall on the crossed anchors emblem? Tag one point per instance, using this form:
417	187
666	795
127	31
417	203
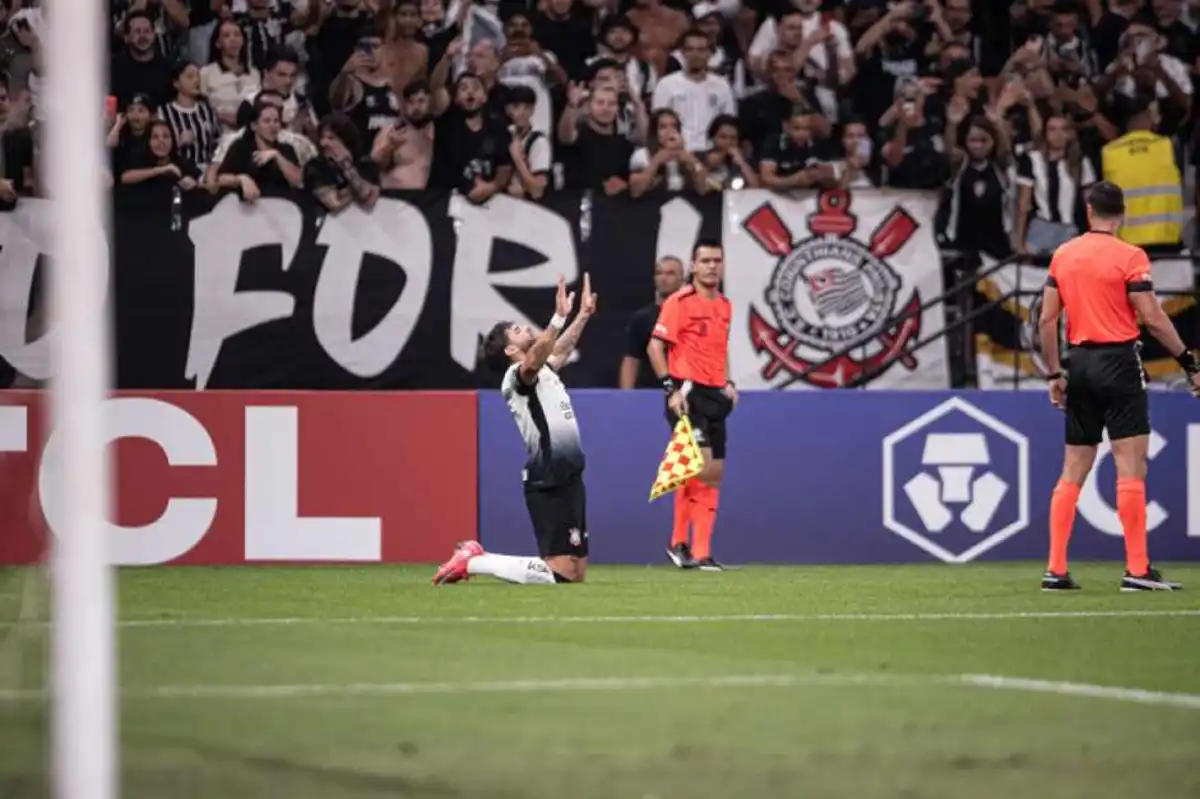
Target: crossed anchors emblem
829	290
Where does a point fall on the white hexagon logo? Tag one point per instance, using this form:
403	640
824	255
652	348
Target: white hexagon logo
956	481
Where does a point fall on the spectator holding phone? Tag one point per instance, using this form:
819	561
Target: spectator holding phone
363	89
854	165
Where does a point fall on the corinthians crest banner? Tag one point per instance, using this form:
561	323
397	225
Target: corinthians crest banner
811	274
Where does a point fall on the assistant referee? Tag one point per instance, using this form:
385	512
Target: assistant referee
1104	286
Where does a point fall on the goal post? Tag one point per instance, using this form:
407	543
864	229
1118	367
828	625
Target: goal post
82	679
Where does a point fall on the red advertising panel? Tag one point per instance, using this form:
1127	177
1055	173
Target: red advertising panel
220	477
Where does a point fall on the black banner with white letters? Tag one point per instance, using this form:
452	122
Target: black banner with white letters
279	294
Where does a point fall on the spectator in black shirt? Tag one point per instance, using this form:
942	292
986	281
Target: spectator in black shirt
140	69
342	173
601	155
893	49
635	371
564	27
792	159
470	150
128	134
155	172
258	160
914	150
763	113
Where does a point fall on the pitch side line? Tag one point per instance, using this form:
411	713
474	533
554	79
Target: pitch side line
603	685
754	617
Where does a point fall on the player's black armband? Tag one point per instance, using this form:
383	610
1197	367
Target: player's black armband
668	385
1187	359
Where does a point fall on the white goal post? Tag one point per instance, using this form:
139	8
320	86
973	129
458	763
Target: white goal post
71	132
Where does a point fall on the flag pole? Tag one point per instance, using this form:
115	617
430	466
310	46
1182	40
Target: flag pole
82	664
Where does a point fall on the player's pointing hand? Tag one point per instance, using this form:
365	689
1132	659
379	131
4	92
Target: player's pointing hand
563	302
587	301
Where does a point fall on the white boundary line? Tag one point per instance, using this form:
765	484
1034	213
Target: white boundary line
618	684
287	621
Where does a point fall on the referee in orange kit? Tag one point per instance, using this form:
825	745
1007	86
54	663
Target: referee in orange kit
1104	286
689	353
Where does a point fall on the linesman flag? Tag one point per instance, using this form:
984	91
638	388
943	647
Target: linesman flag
681	462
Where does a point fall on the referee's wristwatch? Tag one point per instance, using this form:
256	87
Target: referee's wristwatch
1059	375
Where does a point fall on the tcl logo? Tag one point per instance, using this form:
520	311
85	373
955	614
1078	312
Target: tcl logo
226	477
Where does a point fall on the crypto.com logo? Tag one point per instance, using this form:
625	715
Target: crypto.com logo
955	481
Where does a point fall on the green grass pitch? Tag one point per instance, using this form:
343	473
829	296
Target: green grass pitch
862	682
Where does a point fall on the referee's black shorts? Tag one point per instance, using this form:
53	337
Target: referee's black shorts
1106	390
559	516
708	408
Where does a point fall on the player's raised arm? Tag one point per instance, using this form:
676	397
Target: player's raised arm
570	337
543	346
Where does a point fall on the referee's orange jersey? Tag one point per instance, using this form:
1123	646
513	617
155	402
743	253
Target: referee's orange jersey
697	329
1094	274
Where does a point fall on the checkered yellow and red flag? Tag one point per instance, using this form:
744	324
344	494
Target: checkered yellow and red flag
681	462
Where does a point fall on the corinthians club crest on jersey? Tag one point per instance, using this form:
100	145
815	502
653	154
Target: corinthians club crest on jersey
830	289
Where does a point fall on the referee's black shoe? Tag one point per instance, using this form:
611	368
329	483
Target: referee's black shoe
1059	582
1152	580
709	565
681	556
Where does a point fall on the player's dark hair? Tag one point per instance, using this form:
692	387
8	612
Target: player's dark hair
1106	200
492	351
706	243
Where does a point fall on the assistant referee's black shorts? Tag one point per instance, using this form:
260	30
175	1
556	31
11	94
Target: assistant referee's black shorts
708	407
1106	390
559	516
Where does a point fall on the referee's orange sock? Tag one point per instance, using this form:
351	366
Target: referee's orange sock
704	516
1131	509
1062	519
683	513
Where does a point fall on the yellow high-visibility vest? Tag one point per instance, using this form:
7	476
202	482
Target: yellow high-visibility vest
1142	163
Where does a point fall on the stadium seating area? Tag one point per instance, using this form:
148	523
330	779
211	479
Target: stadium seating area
1007	107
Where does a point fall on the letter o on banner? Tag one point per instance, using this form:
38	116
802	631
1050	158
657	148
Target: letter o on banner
185	442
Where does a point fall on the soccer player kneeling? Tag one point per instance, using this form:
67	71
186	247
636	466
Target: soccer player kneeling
1104	286
553	475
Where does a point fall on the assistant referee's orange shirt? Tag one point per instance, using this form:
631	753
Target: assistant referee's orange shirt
1094	274
697	329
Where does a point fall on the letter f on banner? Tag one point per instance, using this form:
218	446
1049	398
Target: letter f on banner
220	239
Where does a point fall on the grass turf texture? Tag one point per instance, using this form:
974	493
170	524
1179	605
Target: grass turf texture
816	738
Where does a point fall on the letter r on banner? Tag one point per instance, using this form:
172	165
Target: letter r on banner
274	528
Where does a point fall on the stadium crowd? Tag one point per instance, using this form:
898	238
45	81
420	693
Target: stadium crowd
1010	108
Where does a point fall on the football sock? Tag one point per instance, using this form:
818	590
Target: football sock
704	499
512	569
683	517
1062	518
1131	508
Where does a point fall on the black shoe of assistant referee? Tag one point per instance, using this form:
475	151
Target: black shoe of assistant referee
709	565
681	556
1152	580
1059	582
